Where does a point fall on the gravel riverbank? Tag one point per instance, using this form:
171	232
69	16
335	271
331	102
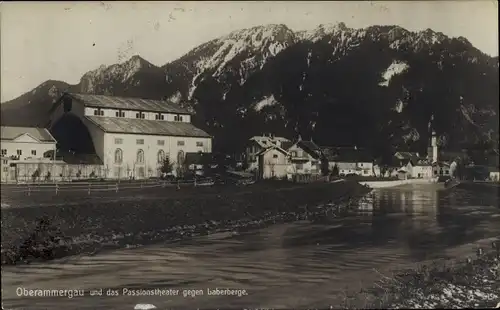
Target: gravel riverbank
473	283
54	231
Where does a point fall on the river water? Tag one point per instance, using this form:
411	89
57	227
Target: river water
301	264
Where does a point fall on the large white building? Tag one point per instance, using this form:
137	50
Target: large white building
24	145
132	136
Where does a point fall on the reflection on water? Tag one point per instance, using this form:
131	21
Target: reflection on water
301	264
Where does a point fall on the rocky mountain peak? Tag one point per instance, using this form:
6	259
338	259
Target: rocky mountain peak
121	73
256	35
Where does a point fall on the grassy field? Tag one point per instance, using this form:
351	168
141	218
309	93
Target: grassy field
76	193
74	224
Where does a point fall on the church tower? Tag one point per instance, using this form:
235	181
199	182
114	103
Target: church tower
432	150
434	147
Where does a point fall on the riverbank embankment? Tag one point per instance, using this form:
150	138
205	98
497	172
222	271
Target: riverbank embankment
464	282
481	187
92	225
394	183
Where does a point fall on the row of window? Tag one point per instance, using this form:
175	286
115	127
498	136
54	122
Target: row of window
19	152
158	142
140	115
161	156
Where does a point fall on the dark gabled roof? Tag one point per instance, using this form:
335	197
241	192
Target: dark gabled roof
128	103
148	127
198	158
345	165
40	134
310	147
286	145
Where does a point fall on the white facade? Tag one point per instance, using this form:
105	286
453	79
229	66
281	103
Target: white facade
302	162
440	169
140	156
273	163
420	171
494	176
26	147
158	116
26	144
358	168
259	143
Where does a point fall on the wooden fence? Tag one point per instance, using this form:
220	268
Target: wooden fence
106	186
308	178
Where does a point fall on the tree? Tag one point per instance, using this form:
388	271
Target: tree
166	166
36	175
244	165
207	168
324	166
335	171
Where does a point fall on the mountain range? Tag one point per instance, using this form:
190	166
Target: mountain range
376	87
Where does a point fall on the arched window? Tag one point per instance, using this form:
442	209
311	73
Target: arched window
161	156
118	156
140	157
180	157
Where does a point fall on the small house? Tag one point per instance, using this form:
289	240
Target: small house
305	157
257	144
346	168
403	173
349	160
273	163
495	176
440	169
197	162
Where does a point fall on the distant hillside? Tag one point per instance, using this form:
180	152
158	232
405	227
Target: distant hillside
31	108
375	87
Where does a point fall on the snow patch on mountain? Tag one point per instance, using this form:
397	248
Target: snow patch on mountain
467	111
321	31
400	105
175	98
267	101
395	68
412	135
265	40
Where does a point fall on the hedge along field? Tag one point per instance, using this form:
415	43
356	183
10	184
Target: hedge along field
94	225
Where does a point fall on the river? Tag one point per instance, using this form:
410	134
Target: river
300	264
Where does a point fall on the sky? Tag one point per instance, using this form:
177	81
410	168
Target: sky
64	40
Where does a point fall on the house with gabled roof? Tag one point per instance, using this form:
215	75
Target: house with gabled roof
24	144
257	144
349	160
131	136
305	157
273	163
420	168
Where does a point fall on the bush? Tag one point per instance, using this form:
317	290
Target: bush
166	166
35	175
